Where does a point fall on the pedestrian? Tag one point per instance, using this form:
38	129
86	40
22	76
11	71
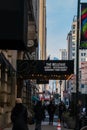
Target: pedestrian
43	111
79	114
62	108
38	115
19	116
51	110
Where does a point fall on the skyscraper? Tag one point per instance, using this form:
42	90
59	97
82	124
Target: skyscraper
63	54
72	44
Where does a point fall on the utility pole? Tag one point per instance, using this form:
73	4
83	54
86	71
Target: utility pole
77	64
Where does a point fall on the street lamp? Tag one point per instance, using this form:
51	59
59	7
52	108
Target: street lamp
60	82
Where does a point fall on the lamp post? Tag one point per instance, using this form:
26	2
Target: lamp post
60	82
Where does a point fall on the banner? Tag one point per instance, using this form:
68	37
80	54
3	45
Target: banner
83	42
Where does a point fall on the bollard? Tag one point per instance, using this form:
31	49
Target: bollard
59	125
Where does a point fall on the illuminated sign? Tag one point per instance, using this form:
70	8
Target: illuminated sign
83	42
45	69
55	67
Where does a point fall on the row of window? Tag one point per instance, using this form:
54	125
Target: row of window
82	59
82	54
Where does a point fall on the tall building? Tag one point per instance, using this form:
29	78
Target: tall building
10	85
69	39
42	28
42	35
72	44
63	54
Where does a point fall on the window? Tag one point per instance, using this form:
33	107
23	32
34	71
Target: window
73	54
73	48
73	27
84	54
82	59
81	54
73	37
73	31
73	43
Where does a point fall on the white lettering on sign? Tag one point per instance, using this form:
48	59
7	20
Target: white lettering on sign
55	67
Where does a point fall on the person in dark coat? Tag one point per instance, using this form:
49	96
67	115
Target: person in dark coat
62	108
51	110
38	110
79	113
19	116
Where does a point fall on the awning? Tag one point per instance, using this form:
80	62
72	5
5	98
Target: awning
6	62
35	98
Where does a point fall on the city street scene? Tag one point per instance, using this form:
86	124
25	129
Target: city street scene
43	65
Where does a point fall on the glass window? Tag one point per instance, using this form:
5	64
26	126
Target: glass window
74	32
81	54
73	48
73	43
73	54
84	54
73	37
73	26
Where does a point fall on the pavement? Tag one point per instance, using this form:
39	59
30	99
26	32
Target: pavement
45	125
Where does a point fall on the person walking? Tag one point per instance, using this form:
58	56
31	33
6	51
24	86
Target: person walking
19	116
51	111
38	110
79	114
62	108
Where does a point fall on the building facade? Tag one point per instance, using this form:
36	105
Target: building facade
10	85
42	29
42	35
63	56
72	47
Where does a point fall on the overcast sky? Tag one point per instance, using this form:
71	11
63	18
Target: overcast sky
60	15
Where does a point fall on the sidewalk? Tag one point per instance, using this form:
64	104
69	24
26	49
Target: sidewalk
44	127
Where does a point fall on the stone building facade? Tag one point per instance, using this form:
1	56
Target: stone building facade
10	86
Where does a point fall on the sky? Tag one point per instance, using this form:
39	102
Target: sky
59	18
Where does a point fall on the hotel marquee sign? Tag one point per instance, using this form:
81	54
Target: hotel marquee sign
52	67
49	69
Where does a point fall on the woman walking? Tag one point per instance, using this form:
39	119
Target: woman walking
19	116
